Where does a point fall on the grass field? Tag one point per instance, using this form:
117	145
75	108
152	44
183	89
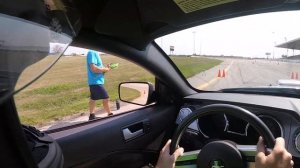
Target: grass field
129	94
190	66
63	91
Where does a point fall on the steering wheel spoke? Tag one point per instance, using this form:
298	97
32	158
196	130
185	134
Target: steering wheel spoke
189	159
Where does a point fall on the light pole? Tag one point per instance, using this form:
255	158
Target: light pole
194	33
273	33
274	49
287	50
199	45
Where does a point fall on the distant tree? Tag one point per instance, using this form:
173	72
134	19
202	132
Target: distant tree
57	49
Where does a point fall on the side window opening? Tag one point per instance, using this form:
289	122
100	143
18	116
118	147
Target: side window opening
61	97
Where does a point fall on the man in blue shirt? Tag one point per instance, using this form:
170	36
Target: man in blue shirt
95	72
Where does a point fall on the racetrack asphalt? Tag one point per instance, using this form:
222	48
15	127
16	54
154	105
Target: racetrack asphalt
245	73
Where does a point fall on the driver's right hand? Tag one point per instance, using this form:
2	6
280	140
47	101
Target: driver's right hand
278	158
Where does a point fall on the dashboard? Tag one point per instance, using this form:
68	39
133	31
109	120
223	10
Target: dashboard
280	114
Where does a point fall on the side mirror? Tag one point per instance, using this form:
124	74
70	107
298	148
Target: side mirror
140	93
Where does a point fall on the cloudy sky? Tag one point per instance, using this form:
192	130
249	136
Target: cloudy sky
249	36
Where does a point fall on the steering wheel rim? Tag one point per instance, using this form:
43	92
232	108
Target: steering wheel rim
233	110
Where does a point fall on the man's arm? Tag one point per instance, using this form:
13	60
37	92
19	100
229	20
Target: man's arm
97	69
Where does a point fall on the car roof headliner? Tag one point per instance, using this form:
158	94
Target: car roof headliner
138	22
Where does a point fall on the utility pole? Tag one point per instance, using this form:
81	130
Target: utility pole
287	50
194	33
274	50
273	33
199	45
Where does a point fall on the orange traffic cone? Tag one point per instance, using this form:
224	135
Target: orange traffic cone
219	73
292	77
223	75
296	77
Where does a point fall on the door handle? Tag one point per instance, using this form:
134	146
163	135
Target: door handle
129	135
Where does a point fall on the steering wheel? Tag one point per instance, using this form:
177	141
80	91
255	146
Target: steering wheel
218	154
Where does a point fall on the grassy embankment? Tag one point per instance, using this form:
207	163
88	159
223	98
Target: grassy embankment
63	91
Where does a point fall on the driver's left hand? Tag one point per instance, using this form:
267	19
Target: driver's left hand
166	160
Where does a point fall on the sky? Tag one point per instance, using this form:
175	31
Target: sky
70	50
248	36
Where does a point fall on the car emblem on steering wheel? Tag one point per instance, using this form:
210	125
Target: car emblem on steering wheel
217	164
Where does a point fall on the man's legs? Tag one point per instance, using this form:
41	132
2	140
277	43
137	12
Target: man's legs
106	106
92	105
98	92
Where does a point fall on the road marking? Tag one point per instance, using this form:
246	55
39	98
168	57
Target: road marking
229	66
205	85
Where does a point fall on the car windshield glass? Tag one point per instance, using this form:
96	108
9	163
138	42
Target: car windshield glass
261	50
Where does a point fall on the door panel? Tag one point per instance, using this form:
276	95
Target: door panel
98	142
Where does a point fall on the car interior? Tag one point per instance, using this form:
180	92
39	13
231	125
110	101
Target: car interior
212	126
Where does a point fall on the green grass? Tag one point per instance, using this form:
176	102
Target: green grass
190	66
129	94
63	91
55	89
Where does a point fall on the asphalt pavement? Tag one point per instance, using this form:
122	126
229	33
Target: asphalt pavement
245	73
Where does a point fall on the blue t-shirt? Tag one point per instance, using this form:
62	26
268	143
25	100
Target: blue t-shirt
93	57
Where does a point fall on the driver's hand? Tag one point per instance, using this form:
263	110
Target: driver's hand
166	160
278	158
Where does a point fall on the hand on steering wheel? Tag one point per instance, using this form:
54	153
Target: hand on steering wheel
278	158
166	160
223	153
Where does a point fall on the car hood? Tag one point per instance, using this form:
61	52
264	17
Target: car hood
285	88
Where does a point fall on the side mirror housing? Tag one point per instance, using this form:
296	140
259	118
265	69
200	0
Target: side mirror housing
140	93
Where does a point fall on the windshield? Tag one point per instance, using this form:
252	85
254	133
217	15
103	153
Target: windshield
251	51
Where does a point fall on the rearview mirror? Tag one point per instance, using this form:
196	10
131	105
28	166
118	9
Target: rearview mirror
141	93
